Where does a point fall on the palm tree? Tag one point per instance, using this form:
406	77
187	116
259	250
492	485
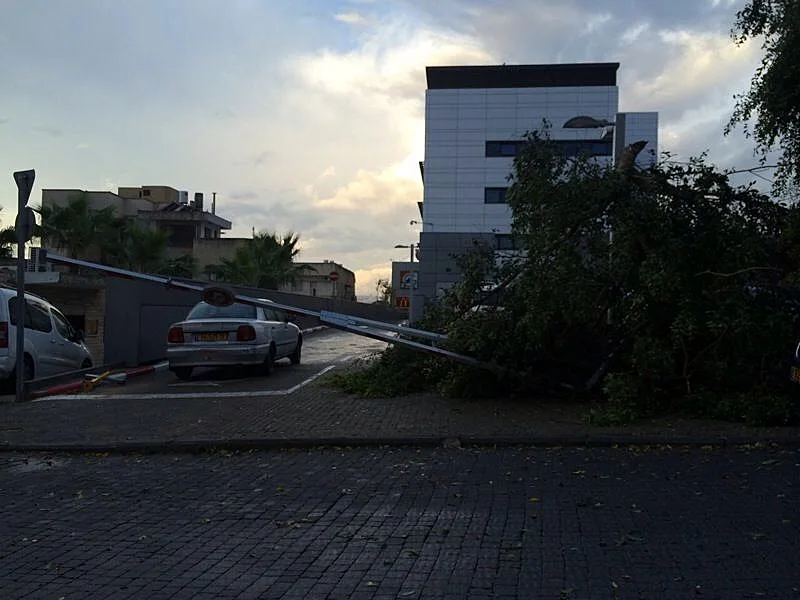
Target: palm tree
142	248
266	262
182	266
74	227
8	240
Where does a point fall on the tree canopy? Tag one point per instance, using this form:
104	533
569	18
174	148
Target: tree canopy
266	261
770	110
667	288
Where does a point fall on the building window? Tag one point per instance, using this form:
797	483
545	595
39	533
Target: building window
571	148
505	241
145	193
494	195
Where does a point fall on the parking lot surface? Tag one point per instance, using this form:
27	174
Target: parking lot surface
386	524
321	351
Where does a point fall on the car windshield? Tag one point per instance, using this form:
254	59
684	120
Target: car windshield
234	311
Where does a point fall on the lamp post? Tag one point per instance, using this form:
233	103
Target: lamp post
585	122
410	246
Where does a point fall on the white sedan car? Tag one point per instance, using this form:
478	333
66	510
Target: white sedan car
228	336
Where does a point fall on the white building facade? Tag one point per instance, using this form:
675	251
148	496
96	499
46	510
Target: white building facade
475	121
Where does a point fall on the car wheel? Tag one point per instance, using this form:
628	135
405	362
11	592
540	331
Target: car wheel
183	373
294	357
87	364
269	362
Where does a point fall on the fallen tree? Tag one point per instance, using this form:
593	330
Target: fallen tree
650	290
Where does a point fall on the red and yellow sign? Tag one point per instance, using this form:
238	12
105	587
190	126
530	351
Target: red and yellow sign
401	301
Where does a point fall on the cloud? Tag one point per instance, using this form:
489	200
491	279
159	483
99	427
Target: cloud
351	18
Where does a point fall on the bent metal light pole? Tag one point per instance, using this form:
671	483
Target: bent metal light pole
223	296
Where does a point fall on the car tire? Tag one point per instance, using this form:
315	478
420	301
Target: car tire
294	357
269	362
87	364
183	373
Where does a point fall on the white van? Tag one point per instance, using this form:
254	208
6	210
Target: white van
52	345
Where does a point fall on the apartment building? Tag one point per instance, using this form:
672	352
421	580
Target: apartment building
476	118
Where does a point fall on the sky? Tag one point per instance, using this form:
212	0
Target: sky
308	115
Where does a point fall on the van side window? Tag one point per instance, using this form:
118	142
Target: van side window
39	317
63	327
270	315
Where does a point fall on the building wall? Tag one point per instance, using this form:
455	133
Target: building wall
459	122
209	252
315	281
634	126
157	194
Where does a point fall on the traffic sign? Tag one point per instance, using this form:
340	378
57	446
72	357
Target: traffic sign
401	301
333	275
25	223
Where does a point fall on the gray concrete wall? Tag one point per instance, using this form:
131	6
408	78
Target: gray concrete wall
437	267
139	313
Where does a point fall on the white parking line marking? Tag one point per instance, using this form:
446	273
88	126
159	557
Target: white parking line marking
196	384
189	395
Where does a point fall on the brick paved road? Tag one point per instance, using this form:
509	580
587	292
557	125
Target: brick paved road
385	524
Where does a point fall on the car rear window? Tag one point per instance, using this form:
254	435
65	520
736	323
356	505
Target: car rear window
234	311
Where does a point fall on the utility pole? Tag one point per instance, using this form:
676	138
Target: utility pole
24	227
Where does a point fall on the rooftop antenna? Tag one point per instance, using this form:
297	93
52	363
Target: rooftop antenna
213	203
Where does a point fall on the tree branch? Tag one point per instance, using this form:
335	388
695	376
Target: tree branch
739	272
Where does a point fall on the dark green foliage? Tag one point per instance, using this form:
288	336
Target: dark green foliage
773	100
691	306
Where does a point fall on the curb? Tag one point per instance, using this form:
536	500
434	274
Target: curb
75	386
247	445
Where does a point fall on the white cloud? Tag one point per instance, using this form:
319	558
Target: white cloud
351	18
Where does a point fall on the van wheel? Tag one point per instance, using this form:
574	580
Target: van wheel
183	373
269	362
294	357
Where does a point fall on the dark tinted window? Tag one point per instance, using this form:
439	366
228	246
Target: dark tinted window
234	311
494	195
570	148
505	241
37	317
40	317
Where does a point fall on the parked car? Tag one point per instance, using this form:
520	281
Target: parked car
52	344
228	336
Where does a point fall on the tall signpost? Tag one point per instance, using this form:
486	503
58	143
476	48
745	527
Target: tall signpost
24	226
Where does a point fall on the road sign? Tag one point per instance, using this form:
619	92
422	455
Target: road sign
333	275
217	295
26	221
24	180
401	301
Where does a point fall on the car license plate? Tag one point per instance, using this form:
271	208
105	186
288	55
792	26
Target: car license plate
795	374
212	336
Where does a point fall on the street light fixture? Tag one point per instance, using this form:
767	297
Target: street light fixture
412	222
585	122
410	246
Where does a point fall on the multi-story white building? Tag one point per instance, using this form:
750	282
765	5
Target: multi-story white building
475	121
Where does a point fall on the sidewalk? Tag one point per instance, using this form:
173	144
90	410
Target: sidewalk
315	415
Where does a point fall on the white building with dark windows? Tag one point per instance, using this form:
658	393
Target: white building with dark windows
475	121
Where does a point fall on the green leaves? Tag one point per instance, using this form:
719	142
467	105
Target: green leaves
266	262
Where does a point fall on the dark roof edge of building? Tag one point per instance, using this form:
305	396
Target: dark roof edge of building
522	76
